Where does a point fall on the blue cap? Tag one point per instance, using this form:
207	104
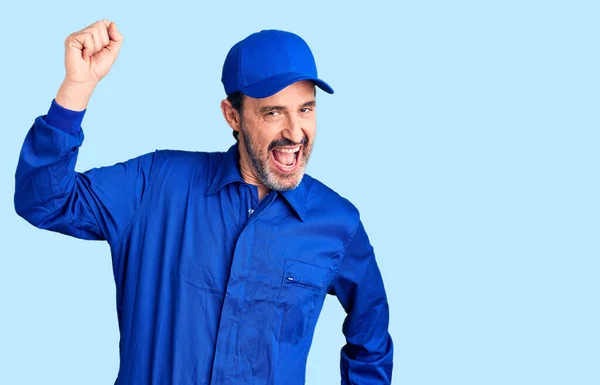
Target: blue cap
266	62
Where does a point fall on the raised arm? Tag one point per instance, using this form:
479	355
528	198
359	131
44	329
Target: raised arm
49	194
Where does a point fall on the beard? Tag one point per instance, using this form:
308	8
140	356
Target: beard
272	178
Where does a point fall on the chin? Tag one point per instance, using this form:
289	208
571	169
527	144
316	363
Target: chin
284	182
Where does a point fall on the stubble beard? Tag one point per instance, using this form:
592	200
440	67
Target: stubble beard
273	179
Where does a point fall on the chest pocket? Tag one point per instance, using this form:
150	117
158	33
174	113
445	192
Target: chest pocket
301	296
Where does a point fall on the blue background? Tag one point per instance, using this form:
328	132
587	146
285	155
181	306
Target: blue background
466	132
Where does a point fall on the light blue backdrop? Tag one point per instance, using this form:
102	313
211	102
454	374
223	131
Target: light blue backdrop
466	132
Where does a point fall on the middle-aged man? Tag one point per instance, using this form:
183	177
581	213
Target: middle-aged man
221	260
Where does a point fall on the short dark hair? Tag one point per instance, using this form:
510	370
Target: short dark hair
237	102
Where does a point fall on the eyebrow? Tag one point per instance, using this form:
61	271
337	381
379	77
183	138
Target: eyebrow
263	109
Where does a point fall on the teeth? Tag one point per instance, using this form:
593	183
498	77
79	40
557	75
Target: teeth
288	150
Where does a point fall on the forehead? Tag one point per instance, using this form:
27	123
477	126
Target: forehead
296	93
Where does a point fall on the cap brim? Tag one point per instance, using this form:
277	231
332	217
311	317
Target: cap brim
273	85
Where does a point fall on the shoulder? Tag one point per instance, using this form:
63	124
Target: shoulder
185	161
323	194
322	201
177	167
187	158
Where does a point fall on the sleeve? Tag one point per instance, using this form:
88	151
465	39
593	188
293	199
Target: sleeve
367	357
97	204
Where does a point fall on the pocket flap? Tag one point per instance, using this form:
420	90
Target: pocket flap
298	272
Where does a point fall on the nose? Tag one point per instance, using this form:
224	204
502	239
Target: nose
293	129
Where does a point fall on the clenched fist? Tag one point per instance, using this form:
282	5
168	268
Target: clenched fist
91	52
89	55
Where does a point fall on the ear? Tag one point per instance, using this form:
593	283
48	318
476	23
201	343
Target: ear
231	115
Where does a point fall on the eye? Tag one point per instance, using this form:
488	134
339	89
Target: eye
273	113
305	109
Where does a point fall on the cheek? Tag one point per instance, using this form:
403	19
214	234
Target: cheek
310	130
269	133
265	139
261	135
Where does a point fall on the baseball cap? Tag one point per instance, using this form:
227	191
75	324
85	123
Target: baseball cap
266	62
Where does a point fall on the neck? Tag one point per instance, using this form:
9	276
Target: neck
249	174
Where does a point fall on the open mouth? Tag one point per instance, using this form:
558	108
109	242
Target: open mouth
286	159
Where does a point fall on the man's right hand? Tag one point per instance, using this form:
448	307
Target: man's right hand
89	55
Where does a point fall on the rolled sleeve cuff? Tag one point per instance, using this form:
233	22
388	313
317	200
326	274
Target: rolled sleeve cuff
64	119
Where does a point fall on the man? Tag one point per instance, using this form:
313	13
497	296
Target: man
221	260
